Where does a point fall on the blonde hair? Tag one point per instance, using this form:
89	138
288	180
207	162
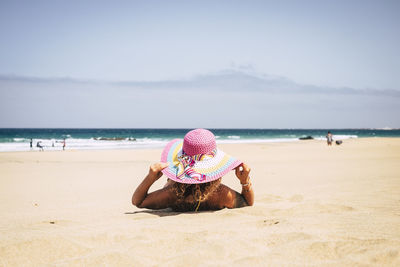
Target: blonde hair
200	192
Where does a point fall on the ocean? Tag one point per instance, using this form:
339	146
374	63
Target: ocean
18	139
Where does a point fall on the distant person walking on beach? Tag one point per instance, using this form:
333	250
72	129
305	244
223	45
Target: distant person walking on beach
39	146
31	143
64	144
194	169
329	138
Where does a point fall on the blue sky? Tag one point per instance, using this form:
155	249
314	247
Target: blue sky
330	47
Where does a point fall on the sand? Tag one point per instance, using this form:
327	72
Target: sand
315	206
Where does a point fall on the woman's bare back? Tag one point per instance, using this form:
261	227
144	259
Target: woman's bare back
222	197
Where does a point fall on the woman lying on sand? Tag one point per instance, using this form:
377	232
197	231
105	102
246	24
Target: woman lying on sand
195	168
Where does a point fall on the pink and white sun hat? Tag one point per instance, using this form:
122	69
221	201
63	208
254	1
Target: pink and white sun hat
196	159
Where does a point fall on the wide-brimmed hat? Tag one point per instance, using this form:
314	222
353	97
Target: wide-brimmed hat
196	159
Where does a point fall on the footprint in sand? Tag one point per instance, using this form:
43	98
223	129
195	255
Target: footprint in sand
271	222
268	222
285	238
270	199
296	198
58	222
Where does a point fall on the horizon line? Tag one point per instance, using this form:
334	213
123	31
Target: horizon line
179	128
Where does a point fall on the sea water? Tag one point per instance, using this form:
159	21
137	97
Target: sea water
18	139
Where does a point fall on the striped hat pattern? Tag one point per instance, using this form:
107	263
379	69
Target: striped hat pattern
196	159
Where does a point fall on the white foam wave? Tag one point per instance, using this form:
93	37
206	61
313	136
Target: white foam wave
244	141
83	144
342	137
93	144
19	139
337	137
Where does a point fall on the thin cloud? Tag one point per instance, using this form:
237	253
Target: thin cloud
225	80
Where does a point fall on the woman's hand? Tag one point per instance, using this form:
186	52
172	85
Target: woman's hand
242	173
155	169
142	199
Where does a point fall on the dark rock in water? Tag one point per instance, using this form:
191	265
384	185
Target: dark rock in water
306	138
338	142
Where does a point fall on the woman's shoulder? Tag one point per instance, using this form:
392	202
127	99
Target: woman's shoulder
226	197
221	198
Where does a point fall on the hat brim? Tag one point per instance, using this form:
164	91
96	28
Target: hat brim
213	168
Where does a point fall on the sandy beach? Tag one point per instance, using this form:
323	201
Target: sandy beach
315	206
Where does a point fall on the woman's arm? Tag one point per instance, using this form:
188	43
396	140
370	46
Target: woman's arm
232	199
242	173
159	199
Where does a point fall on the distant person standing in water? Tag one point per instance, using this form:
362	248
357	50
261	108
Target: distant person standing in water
31	143
329	138
64	144
39	145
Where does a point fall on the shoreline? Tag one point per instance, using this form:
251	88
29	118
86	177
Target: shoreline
256	142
